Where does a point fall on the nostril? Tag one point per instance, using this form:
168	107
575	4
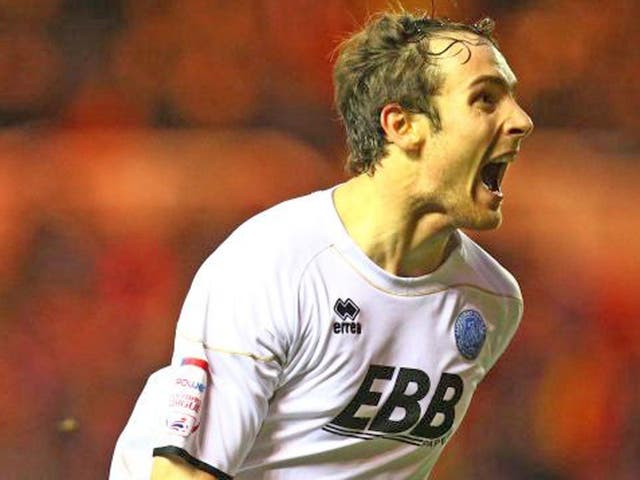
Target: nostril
521	129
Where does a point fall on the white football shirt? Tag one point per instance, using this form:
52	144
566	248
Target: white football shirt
322	364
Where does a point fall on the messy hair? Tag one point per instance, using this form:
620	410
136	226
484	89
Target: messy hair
390	61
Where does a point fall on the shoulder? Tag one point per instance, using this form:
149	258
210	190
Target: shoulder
486	272
253	277
278	242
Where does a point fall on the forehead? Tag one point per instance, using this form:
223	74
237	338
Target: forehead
465	57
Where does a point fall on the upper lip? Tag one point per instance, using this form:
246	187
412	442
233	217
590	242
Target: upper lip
506	157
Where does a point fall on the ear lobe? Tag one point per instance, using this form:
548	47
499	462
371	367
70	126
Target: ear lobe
398	126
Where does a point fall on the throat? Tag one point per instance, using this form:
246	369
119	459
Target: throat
410	254
428	257
399	240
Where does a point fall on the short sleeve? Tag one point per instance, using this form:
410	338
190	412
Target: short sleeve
237	316
505	329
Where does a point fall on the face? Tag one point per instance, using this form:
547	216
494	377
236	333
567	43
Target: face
482	127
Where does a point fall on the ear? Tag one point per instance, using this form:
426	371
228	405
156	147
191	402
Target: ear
400	127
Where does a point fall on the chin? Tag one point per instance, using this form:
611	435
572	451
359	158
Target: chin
490	225
483	221
491	221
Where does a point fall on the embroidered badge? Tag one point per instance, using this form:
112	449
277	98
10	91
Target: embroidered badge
471	332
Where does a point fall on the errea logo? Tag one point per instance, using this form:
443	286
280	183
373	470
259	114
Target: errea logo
348	312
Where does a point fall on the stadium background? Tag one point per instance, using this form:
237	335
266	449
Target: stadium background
137	133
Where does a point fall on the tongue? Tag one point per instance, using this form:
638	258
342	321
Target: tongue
490	174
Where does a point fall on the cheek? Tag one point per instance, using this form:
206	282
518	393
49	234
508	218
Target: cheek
460	151
476	189
471	139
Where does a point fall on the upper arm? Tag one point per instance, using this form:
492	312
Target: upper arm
239	323
240	316
174	468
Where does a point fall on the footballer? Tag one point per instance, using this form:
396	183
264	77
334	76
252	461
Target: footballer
342	335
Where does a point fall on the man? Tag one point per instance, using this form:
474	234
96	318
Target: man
346	331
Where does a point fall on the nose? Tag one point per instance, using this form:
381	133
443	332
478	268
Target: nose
519	123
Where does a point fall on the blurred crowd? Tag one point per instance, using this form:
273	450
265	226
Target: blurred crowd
136	134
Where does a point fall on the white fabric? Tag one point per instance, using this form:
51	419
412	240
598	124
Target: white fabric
262	306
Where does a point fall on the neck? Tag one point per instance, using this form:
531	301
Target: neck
380	215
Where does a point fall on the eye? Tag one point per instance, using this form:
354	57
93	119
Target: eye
486	100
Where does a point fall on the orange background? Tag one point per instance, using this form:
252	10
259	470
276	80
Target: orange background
137	134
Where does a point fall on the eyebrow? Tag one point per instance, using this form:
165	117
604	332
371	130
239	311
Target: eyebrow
496	80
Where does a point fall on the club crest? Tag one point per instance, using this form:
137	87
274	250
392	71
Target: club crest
471	332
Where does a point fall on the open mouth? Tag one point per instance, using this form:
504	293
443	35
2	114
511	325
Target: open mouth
492	174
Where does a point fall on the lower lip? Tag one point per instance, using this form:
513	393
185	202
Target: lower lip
496	197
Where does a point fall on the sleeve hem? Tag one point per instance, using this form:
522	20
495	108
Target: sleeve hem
191	460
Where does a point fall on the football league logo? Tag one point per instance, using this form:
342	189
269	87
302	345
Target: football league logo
183	425
471	332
